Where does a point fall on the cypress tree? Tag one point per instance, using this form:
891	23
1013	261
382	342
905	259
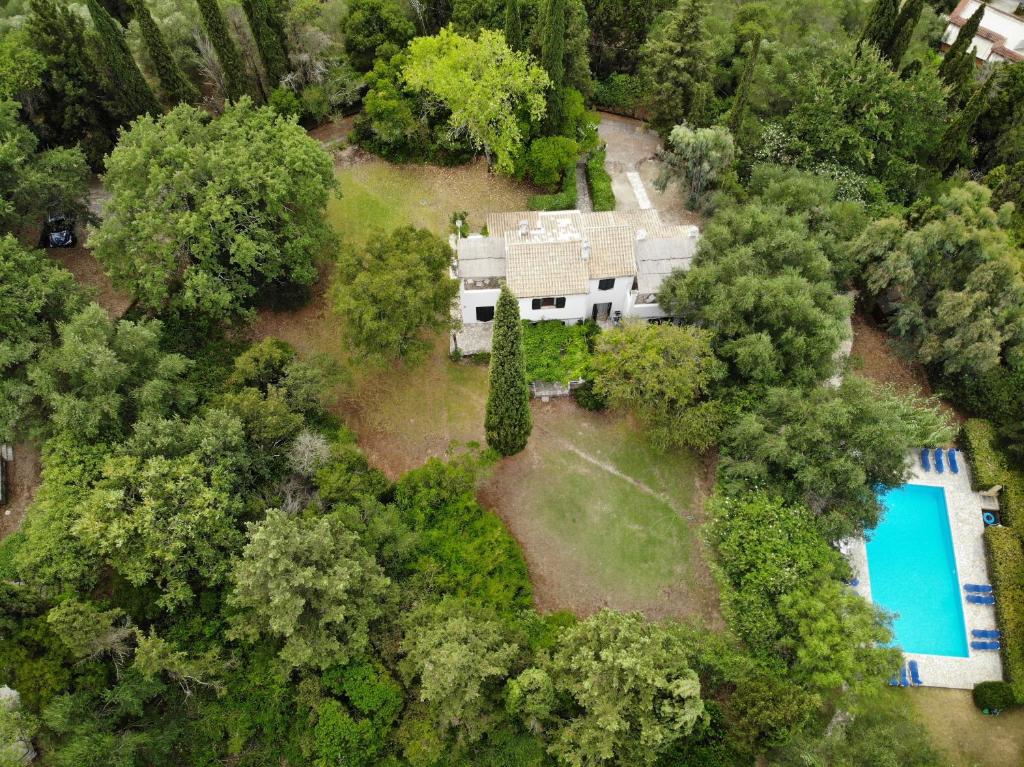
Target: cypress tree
675	66
879	27
514	25
176	88
739	99
952	67
507	422
227	50
552	59
896	48
275	61
125	80
952	147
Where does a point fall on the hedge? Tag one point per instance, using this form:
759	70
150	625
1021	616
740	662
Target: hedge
554	351
600	183
620	93
1006	567
989	468
564	200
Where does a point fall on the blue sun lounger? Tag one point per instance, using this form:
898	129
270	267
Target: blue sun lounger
984	645
925	463
915	675
903	677
978	588
938	461
951	458
981	599
986	633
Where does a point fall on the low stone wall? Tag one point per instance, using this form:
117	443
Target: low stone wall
547	389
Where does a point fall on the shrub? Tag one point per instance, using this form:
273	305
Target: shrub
619	93
989	467
587	398
564	200
996	696
550	159
600	182
1006	566
554	351
284	101
316	104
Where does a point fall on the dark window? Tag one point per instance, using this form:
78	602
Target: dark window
559	303
484	313
535	304
607	284
546	302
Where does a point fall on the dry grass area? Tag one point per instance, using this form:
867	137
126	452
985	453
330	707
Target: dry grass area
874	356
963	734
23	474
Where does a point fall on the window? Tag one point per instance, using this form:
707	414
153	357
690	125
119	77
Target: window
547	303
607	284
484	313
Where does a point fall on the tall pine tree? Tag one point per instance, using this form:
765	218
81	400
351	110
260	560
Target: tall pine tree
552	59
507	422
880	24
739	99
514	25
952	67
235	80
952	147
676	68
896	48
174	86
275	60
125	80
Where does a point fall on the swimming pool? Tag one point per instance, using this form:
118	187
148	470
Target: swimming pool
913	571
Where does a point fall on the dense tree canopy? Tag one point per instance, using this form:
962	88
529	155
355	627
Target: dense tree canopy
206	216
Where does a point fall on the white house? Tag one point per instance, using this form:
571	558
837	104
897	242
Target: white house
568	266
1000	38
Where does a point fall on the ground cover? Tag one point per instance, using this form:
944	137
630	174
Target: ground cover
555	351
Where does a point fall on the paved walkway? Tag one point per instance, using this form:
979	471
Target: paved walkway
966	526
583	201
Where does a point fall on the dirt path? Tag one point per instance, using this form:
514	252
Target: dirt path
23	473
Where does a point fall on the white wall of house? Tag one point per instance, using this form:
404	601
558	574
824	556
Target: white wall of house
642	311
575	309
617	296
471	299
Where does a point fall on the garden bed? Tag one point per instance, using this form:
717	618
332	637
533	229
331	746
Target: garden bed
556	352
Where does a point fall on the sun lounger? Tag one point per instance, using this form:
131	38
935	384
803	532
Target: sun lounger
986	633
938	461
925	463
981	599
915	675
951	457
984	645
978	588
903	677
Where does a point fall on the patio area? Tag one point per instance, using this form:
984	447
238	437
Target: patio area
965	510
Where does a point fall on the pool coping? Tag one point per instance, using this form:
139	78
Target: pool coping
963	506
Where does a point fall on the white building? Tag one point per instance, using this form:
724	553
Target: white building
568	266
1000	38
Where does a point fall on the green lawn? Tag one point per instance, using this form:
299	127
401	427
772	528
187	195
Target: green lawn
965	736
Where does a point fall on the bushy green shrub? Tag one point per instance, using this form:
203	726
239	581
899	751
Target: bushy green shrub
989	467
564	200
1006	567
989	696
587	398
620	93
602	197
316	104
554	351
284	101
550	159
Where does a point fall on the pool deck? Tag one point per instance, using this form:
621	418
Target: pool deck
966	526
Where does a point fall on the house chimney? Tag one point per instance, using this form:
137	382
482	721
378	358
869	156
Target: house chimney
586	250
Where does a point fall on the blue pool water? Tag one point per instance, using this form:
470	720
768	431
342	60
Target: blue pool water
913	571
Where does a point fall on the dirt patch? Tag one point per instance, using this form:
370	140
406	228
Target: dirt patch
23	474
333	131
80	261
875	356
605	521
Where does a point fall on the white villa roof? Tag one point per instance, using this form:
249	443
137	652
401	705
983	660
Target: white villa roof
1000	36
481	257
537	269
656	259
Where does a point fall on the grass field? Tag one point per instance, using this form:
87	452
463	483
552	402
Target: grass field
965	736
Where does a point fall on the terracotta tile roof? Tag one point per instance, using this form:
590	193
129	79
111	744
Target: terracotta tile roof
611	251
537	269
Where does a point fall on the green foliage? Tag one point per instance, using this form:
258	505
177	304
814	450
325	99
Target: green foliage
880	25
618	29
957	276
791	436
488	89
270	43
903	32
514	25
507	422
993	696
619	690
552	59
306	581
392	289
599	182
698	159
174	86
206	213
953	146
21	66
563	200
371	24
555	351
960	51
124	79
550	159
675	64
990	467
36	297
236	81
620	93
1005	552
665	374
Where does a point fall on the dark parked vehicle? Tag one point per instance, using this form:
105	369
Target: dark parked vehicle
58	231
